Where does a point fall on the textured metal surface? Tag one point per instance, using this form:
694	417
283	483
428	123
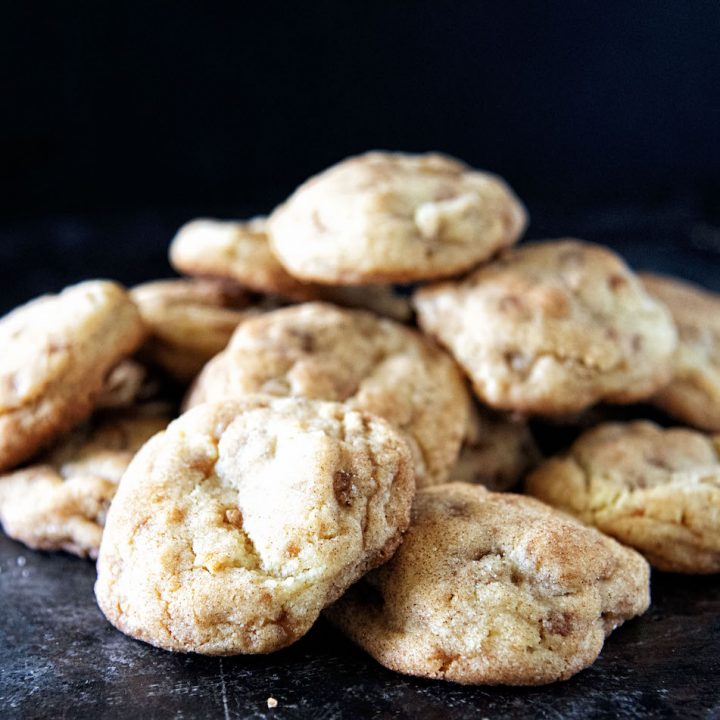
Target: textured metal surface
60	658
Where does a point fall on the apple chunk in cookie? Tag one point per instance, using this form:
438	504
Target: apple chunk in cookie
320	351
493	588
190	321
552	328
394	217
56	354
234	528
240	251
61	500
655	489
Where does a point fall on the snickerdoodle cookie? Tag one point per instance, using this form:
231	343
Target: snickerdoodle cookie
190	321
693	395
56	352
324	352
497	451
553	328
61	500
655	489
234	528
493	588
240	252
393	217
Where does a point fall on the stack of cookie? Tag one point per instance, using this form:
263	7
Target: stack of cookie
333	455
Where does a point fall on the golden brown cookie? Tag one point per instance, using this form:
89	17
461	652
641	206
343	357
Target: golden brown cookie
60	501
497	451
552	328
233	529
392	217
240	251
124	385
190	321
655	489
693	395
369	363
237	251
493	588
56	353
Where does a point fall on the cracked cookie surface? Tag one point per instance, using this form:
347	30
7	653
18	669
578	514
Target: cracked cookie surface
493	588
552	328
240	251
655	489
190	321
61	500
56	353
233	529
693	395
369	363
394	217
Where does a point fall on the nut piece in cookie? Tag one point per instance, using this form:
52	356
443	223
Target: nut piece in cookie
60	502
240	252
655	489
233	529
493	588
552	328
124	385
693	395
190	321
324	352
497	451
393	217
56	353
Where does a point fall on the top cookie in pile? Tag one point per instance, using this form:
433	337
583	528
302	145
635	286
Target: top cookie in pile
319	424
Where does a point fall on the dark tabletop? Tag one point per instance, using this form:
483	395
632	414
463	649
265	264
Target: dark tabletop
60	658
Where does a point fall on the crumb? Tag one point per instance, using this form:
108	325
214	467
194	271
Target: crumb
272	702
21	561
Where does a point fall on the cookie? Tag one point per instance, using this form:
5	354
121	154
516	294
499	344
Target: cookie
124	384
240	251
493	588
56	353
392	217
190	322
233	529
552	328
497	451
655	489
693	395
237	251
60	502
320	351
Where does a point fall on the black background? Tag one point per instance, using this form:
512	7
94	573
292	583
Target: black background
139	105
121	120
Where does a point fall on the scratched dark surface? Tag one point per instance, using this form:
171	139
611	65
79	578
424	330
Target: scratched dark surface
60	659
